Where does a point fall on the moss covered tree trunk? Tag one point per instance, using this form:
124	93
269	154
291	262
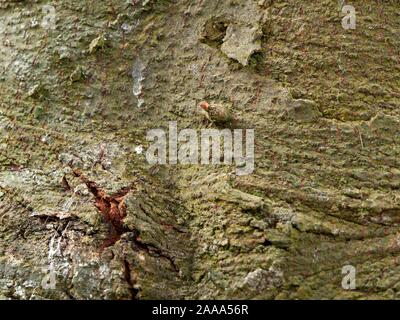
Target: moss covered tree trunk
84	216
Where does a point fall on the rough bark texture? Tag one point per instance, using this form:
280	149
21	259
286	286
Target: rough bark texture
77	198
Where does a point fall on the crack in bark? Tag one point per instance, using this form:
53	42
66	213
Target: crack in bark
113	210
111	207
128	278
151	249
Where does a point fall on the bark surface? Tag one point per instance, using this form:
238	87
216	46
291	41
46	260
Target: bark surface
84	216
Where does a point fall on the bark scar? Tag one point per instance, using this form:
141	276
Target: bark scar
111	207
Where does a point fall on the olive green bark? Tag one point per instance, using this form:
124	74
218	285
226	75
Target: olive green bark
78	197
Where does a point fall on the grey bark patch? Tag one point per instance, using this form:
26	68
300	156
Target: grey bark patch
241	41
260	280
